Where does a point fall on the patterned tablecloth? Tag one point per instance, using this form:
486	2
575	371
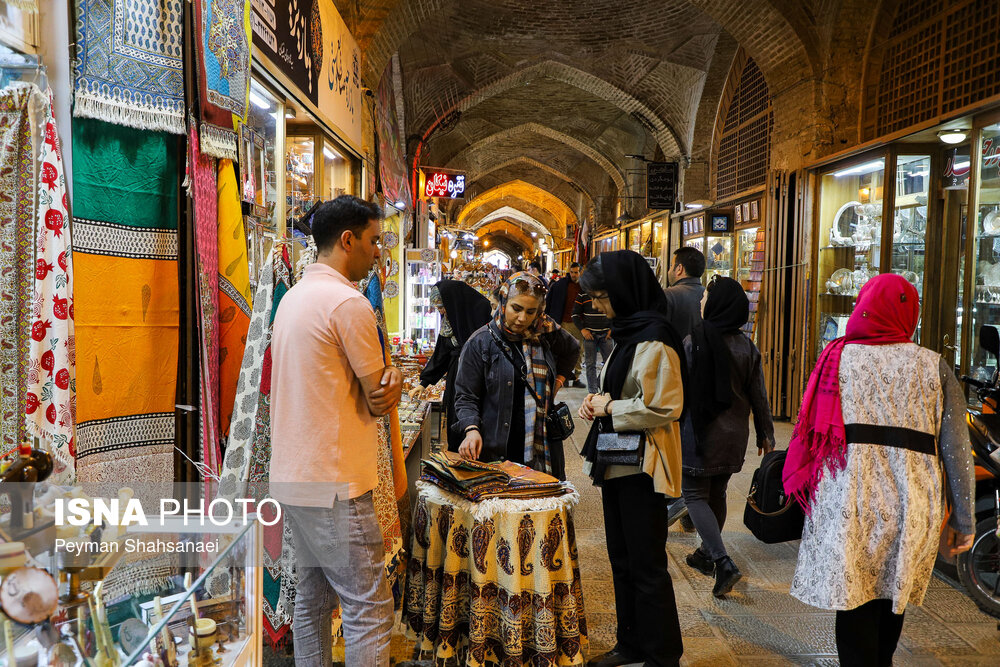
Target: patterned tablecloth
495	581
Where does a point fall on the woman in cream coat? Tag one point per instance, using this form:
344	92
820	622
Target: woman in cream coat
642	391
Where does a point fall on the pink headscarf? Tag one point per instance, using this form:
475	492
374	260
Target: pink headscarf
887	312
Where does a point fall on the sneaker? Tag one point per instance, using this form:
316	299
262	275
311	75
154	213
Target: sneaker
726	576
700	561
614	658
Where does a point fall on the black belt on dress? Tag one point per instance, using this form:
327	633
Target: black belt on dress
891	436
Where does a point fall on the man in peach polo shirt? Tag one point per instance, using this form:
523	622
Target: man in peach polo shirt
329	383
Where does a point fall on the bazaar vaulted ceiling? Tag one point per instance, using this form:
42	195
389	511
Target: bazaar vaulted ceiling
541	100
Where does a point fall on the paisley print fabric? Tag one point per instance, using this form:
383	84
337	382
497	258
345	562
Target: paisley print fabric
492	603
873	532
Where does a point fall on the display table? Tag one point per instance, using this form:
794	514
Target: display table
416	444
494	581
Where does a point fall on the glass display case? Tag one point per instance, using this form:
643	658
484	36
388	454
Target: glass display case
423	271
850	242
909	246
300	175
750	270
718	257
986	254
144	589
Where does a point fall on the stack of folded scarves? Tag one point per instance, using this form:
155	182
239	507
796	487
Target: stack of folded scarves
477	480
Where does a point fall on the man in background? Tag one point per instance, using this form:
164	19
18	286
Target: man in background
595	327
684	312
559	306
329	384
686	291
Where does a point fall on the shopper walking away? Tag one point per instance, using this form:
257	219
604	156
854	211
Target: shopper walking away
595	328
727	385
508	377
329	383
643	391
535	269
559	305
686	291
880	443
463	310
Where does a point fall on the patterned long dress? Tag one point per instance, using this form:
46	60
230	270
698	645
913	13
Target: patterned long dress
875	525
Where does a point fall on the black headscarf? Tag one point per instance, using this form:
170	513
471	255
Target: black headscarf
726	310
640	315
466	309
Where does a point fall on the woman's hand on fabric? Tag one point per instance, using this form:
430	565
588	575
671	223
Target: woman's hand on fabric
586	410
954	542
599	404
765	446
472	446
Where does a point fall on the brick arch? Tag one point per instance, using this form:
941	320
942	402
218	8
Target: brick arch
509	213
785	49
501	226
668	139
519	131
475	175
538	205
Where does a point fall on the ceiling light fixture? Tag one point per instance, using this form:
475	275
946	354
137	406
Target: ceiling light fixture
860	169
258	101
952	136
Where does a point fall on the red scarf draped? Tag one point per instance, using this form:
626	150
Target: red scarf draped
887	312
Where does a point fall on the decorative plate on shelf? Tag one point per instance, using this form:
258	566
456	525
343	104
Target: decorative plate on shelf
392	267
390	239
991	223
391	290
428	255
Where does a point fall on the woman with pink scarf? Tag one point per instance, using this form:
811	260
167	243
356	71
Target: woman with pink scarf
880	447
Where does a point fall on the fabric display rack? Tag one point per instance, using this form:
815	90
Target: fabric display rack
136	325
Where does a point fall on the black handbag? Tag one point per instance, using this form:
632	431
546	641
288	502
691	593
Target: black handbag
559	423
626	448
771	515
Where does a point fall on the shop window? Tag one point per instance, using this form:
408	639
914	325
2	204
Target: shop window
986	253
850	241
743	147
940	57
300	167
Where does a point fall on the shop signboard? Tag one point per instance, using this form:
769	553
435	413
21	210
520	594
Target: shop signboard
309	43
442	184
661	185
288	33
339	81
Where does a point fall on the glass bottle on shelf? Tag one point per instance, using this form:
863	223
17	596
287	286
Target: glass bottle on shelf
850	233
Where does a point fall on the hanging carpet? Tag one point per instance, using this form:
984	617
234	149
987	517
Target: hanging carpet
51	390
235	299
206	234
223	58
130	63
17	229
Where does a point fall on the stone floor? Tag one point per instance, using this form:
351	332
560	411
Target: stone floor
759	623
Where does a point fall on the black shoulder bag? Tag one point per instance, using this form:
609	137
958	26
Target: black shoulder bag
558	420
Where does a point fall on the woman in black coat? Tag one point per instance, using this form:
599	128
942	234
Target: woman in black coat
508	375
463	310
727	385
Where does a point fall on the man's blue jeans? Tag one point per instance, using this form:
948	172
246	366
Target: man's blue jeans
340	558
590	348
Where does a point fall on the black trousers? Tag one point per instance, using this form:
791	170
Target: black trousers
867	635
635	522
706	503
